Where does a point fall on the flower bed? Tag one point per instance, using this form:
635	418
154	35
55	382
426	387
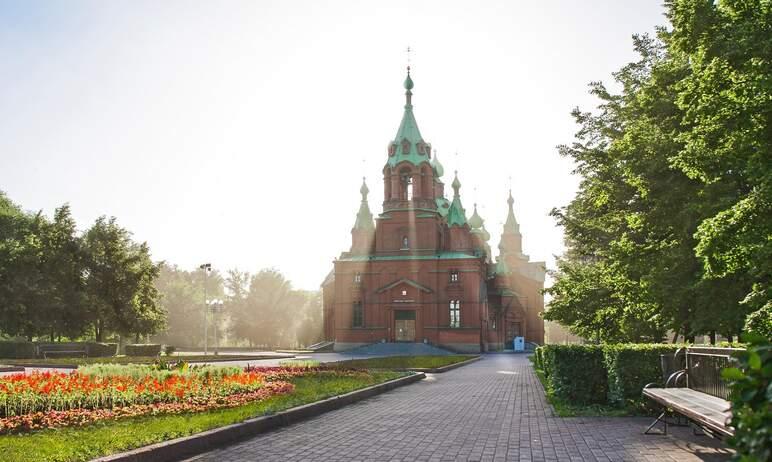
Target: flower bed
56	399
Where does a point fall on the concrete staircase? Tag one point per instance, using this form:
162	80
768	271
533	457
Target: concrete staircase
398	349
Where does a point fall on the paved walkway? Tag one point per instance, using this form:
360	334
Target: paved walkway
493	410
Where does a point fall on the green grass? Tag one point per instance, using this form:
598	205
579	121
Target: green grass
404	362
85	443
131	360
565	409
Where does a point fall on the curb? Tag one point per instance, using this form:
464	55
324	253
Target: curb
214	360
449	367
4	368
188	446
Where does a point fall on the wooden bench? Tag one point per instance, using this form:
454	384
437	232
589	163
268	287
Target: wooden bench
49	352
702	396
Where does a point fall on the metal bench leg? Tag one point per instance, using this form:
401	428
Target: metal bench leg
660	418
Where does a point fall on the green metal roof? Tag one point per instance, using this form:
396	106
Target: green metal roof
406	143
443	206
364	216
456	213
436	256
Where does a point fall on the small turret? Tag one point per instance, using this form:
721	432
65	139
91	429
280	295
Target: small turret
364	230
456	214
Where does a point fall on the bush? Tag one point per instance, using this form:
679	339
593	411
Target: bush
576	373
760	322
751	396
169	349
630	367
101	350
144	349
17	350
537	361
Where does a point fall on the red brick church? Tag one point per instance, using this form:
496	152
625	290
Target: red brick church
421	271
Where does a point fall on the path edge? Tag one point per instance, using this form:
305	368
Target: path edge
188	446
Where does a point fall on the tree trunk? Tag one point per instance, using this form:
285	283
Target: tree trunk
713	337
52	336
136	338
730	338
675	336
98	330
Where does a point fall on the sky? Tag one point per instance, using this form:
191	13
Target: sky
238	132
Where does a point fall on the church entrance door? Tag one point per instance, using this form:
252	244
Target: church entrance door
513	330
404	326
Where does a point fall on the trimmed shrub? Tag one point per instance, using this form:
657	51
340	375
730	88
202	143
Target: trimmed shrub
576	373
537	361
17	350
144	349
631	366
101	350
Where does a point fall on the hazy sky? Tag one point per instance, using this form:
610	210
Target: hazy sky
238	133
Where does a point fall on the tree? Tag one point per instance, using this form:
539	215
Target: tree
671	225
182	297
119	282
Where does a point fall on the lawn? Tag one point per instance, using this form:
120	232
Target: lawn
61	362
107	437
404	362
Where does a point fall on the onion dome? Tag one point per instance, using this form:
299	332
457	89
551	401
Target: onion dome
475	222
439	170
485	234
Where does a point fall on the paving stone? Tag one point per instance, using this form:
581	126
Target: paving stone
493	409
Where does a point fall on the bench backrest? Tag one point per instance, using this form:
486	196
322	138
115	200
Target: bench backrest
703	370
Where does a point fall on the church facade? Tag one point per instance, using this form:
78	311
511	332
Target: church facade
421	271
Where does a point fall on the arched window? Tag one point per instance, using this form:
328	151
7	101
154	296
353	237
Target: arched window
358	318
357	277
407	185
455	313
405	242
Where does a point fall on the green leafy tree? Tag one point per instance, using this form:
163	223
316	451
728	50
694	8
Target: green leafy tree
670	227
119	280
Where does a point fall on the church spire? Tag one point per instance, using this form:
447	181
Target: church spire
408	144
456	214
511	226
364	219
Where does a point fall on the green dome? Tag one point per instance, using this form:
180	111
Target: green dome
439	170
475	221
408	81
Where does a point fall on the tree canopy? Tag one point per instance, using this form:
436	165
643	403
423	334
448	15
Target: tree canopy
672	224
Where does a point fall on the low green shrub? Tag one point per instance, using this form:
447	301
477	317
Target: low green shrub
630	367
17	350
101	350
751	396
144	349
576	373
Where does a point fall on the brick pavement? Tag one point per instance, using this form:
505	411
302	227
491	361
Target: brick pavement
491	410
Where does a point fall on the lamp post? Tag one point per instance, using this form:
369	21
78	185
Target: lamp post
206	267
216	307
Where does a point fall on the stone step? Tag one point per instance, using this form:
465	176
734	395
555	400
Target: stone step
399	349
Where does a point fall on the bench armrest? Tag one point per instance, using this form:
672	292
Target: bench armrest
672	381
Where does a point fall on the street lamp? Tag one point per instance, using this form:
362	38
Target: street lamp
207	268
215	306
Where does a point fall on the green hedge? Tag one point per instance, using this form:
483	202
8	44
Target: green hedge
576	373
631	366
594	374
102	350
145	349
17	350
